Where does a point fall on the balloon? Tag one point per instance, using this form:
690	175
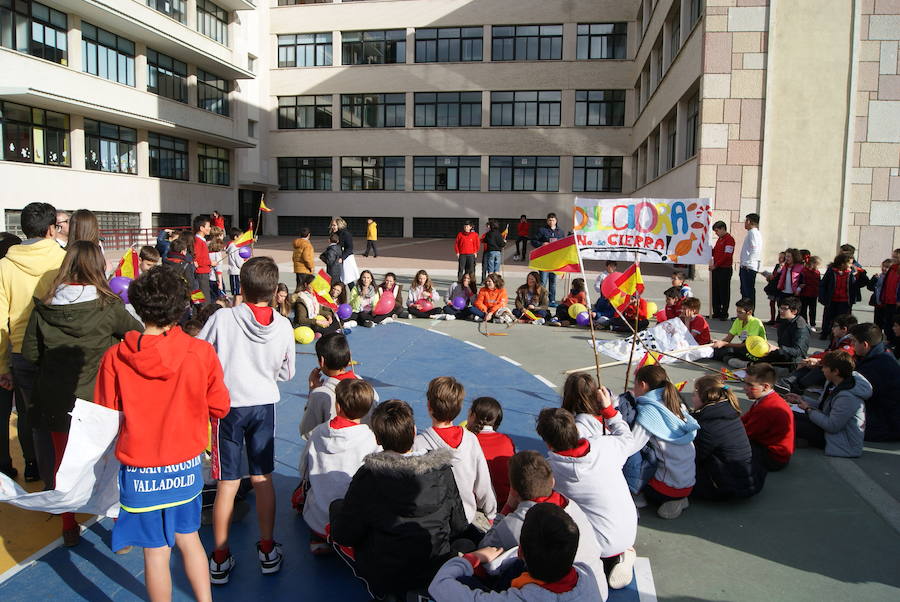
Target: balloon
609	287
757	346
344	310
458	302
424	305
583	319
575	309
245	252
386	303
119	285
304	335
651	308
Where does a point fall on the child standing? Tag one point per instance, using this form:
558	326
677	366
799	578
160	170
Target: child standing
256	347
491	301
235	262
887	298
523	233
769	422
149	258
771	289
167	386
837	291
302	257
217	259
696	324
484	419
423	300
466	247
809	290
331	257
576	295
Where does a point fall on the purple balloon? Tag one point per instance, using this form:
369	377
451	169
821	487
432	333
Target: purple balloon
344	311
119	285
245	252
583	319
458	302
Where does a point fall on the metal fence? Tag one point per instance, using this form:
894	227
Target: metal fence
122	238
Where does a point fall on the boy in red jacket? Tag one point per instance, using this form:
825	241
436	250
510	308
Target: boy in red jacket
466	247
167	385
769	422
697	324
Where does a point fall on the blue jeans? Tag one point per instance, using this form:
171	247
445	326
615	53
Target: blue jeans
548	281
748	283
639	468
492	262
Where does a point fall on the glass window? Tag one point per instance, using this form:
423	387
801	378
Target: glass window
695	10
173	8
448	109
109	147
304	50
523	108
692	126
372	173
602	41
675	35
373	110
597	174
304	173
524	173
35	29
34	135
212	92
449	44
106	54
671	132
600	107
212	21
526	42
446	173
213	162
166	76
168	157
373	47
304	112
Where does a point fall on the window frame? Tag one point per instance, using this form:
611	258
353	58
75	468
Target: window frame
436	172
178	10
518	44
465	42
520	110
109	139
314	110
213	90
95	48
174	77
511	173
373	169
614	107
439	109
388	110
319	168
319	46
175	165
47	132
605	175
18	17
391	41
692	126
212	21
616	40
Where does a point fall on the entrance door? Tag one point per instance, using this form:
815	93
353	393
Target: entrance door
248	208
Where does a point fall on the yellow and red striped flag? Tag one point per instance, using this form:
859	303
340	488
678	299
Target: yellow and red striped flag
129	265
262	206
631	282
529	314
244	239
321	288
680	385
650	358
197	296
505	232
557	256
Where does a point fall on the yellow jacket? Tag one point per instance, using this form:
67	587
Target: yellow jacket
27	271
372	231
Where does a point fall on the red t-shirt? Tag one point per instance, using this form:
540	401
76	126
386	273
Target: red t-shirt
498	449
466	243
673	311
770	422
723	252
840	286
201	255
523	229
699	328
889	288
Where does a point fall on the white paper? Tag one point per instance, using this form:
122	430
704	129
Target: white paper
669	336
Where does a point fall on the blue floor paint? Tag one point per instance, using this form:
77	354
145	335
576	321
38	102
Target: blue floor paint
398	360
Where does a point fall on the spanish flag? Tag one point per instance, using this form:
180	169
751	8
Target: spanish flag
650	358
557	256
128	265
262	206
505	232
244	239
529	314
631	282
321	288
197	296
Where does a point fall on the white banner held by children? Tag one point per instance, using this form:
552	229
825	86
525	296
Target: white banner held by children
669	336
654	230
88	477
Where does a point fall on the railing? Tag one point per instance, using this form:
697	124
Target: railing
122	238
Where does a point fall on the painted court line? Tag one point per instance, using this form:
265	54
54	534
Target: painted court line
476	345
510	360
643	576
438	332
13	571
881	501
545	381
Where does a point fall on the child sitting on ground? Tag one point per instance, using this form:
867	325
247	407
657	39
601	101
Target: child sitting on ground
578	295
696	324
363	299
308	311
484	419
465	289
580	399
445	396
769	422
673	302
745	325
402	511
334	452
809	374
793	338
545	568
491	301
532	296
423	301
391	286
609	268
167	385
679	281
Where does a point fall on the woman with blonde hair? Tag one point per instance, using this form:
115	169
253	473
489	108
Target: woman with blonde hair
349	269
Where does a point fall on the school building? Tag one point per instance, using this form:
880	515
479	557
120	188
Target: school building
425	113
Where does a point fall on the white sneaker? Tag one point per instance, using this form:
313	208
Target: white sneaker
219	573
538	322
350	324
673	508
476	318
623	572
515	258
449	317
271	562
387	320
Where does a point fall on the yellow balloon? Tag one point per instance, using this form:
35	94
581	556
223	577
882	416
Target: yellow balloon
757	346
575	309
652	308
304	335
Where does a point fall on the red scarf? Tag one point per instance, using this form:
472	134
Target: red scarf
452	435
339	422
578	451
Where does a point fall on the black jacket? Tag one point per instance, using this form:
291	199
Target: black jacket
725	467
399	516
793	338
330	257
883	408
346	242
855	281
494	241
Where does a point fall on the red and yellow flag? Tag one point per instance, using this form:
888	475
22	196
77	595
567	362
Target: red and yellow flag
197	296
129	265
631	282
529	314
321	288
262	206
244	239
650	358
557	256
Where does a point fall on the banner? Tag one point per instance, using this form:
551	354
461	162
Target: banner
668	336
654	230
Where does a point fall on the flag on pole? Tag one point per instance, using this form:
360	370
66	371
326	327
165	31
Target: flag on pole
505	232
129	265
197	296
529	314
321	288
650	358
557	256
631	282
244	239
262	206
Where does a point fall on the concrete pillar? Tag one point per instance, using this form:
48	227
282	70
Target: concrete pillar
73	40
567	109
570	41
193	162
76	140
190	9
566	167
140	66
143	153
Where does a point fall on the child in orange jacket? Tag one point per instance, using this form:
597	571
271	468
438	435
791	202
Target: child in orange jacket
491	301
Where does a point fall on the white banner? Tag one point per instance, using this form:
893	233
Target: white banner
669	336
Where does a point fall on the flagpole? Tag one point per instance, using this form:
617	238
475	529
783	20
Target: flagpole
262	199
587	297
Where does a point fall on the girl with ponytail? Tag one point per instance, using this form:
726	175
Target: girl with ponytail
724	458
580	399
484	419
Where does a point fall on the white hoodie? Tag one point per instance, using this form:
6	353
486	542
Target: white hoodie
254	357
320	406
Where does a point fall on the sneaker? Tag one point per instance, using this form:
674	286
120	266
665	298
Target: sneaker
623	572
538	322
387	320
553	304
737	363
219	573
553	322
345	331
672	509
477	318
368	324
449	317
639	500
271	562
350	324
438	316
813	329
31	471
515	258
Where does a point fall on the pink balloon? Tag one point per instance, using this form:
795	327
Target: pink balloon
609	286
385	304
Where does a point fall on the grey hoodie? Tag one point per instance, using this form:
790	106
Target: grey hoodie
841	414
254	357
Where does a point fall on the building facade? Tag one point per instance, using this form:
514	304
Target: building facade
425	113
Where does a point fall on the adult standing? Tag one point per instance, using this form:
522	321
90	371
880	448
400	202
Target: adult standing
217	220
62	228
7	239
751	257
202	264
721	270
303	255
494	243
26	272
371	237
349	269
466	247
547	234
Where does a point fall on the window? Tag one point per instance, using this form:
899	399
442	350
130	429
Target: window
251	63
213	163
526	43
446	173
304	50
251	128
34	135
675	34
658	61
372	173
525	108
109	147
304	173
106	54
34	29
448	109
525	173
212	21
597	174
212	92
695	10
692	126
653	154
449	44
373	47
671	132
173	8
304	112
602	41
600	107
373	110
168	157
166	76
